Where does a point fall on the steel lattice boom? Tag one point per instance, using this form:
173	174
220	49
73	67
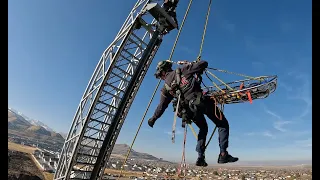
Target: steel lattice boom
110	92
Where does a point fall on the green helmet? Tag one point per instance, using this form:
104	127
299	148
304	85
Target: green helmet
163	66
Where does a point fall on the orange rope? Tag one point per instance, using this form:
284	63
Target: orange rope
215	108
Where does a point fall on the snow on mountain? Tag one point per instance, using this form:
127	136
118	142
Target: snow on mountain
20	114
39	123
32	121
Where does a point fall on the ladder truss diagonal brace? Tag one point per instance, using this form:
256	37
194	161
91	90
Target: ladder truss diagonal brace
67	148
124	101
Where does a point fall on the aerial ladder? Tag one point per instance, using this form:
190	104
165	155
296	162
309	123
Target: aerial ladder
111	90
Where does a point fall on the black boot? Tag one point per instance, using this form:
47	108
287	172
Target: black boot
227	158
201	162
151	122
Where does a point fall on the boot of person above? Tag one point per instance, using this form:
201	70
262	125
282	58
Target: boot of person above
151	122
225	157
201	161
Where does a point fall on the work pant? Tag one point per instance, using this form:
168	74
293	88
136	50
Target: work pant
222	125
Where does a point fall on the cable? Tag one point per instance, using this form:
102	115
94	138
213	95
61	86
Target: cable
204	29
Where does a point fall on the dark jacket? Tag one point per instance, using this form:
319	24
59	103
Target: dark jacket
187	71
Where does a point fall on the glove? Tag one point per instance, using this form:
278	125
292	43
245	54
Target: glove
182	62
185	120
151	122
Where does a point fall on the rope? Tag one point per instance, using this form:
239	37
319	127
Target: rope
238	74
170	57
180	29
155	90
220	80
175	120
183	159
213	82
204	29
199	57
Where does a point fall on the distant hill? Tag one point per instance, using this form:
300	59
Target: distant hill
39	123
17	124
122	149
38	130
20	124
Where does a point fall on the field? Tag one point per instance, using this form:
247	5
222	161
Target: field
21	148
124	173
21	161
49	176
21	166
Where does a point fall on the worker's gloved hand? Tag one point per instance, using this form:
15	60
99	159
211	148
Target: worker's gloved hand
182	62
183	124
151	122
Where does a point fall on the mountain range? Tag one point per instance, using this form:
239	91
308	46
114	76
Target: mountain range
120	151
21	125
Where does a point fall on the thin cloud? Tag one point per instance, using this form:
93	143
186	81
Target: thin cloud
186	49
224	23
178	132
268	134
265	134
279	125
304	143
303	93
284	86
273	114
250	134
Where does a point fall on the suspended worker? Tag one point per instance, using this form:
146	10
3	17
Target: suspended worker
194	104
170	7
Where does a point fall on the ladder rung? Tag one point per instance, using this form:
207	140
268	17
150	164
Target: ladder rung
91	147
107	104
83	171
142	42
93	128
98	122
84	154
131	55
85	163
110	93
95	139
115	88
123	79
100	110
123	71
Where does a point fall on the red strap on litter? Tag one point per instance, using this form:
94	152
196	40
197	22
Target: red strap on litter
249	96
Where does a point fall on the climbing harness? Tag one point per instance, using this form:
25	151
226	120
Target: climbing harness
177	89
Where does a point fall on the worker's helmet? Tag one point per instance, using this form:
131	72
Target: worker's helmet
165	66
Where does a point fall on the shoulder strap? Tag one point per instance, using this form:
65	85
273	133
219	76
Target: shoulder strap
168	88
176	82
178	76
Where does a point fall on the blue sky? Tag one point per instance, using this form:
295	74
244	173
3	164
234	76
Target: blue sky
54	47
